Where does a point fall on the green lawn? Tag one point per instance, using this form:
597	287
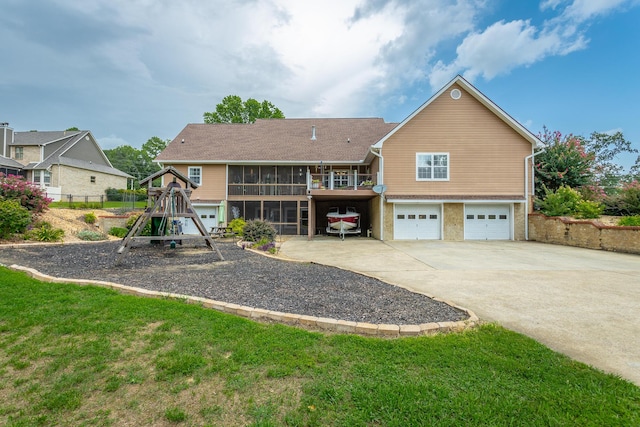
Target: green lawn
73	355
97	205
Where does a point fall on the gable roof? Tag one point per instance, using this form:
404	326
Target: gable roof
68	139
43	137
480	97
277	141
7	162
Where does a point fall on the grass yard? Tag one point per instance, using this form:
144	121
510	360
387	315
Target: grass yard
98	205
74	355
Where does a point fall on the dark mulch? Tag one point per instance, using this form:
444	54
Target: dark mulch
243	278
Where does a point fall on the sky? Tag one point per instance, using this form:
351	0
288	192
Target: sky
128	70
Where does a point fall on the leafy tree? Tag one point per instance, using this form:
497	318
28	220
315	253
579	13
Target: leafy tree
565	162
73	129
137	162
233	110
605	148
154	146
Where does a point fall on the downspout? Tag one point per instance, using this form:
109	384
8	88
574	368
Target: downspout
526	189
381	175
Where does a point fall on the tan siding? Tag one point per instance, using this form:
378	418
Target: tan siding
213	186
486	156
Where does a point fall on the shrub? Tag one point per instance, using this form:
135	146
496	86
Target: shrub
119	195
237	225
118	231
630	221
90	218
588	209
29	196
256	230
629	198
146	231
563	201
44	232
14	218
90	235
265	245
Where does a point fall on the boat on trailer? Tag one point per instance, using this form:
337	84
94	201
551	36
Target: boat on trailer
343	221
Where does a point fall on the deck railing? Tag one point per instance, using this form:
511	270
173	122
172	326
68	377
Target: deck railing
351	180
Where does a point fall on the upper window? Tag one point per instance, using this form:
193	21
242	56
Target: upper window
19	153
432	166
195	174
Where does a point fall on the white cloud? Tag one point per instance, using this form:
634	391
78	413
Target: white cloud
504	46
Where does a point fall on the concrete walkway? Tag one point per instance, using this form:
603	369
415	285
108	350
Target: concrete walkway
580	302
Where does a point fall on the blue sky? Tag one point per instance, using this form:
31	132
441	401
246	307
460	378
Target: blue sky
129	70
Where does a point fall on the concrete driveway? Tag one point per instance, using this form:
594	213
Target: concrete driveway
580	302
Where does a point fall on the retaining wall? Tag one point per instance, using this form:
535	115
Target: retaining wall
584	233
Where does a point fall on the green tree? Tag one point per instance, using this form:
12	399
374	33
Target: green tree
605	148
154	146
564	162
233	110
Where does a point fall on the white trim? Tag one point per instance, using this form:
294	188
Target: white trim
199	168
433	166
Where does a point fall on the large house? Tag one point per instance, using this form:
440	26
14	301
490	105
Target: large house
457	168
63	163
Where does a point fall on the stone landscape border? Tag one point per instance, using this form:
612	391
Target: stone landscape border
298	320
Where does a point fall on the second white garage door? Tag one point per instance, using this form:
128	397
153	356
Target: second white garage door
487	222
417	222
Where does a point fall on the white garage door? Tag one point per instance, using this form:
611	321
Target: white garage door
487	222
208	215
417	222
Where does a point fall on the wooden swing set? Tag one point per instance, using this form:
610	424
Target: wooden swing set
166	207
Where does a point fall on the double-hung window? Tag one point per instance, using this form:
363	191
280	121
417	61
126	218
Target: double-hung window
195	174
432	166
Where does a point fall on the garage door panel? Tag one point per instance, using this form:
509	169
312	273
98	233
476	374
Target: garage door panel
417	222
487	222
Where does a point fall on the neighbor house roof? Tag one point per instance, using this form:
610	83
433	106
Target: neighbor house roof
460	81
77	163
68	139
43	137
7	162
277	140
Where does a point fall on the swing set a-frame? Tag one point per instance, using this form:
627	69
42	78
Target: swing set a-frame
166	208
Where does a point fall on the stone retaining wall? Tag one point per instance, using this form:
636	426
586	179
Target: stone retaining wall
584	233
108	222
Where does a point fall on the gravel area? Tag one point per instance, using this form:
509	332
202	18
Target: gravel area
244	278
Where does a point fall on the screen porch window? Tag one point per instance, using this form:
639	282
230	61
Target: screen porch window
195	174
432	166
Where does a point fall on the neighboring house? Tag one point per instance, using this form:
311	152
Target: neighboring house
62	162
457	168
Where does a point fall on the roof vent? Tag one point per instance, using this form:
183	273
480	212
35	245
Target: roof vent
313	133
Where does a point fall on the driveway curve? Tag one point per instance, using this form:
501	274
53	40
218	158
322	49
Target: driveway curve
581	302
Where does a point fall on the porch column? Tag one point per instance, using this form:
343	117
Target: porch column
311	206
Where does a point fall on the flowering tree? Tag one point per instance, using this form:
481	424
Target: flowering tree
29	196
565	162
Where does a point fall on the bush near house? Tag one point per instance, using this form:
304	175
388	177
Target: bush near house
14	218
256	230
118	231
31	197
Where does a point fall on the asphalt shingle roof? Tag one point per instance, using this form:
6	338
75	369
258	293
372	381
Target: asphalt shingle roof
277	140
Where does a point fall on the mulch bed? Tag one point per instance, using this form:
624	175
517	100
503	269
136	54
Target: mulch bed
244	278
